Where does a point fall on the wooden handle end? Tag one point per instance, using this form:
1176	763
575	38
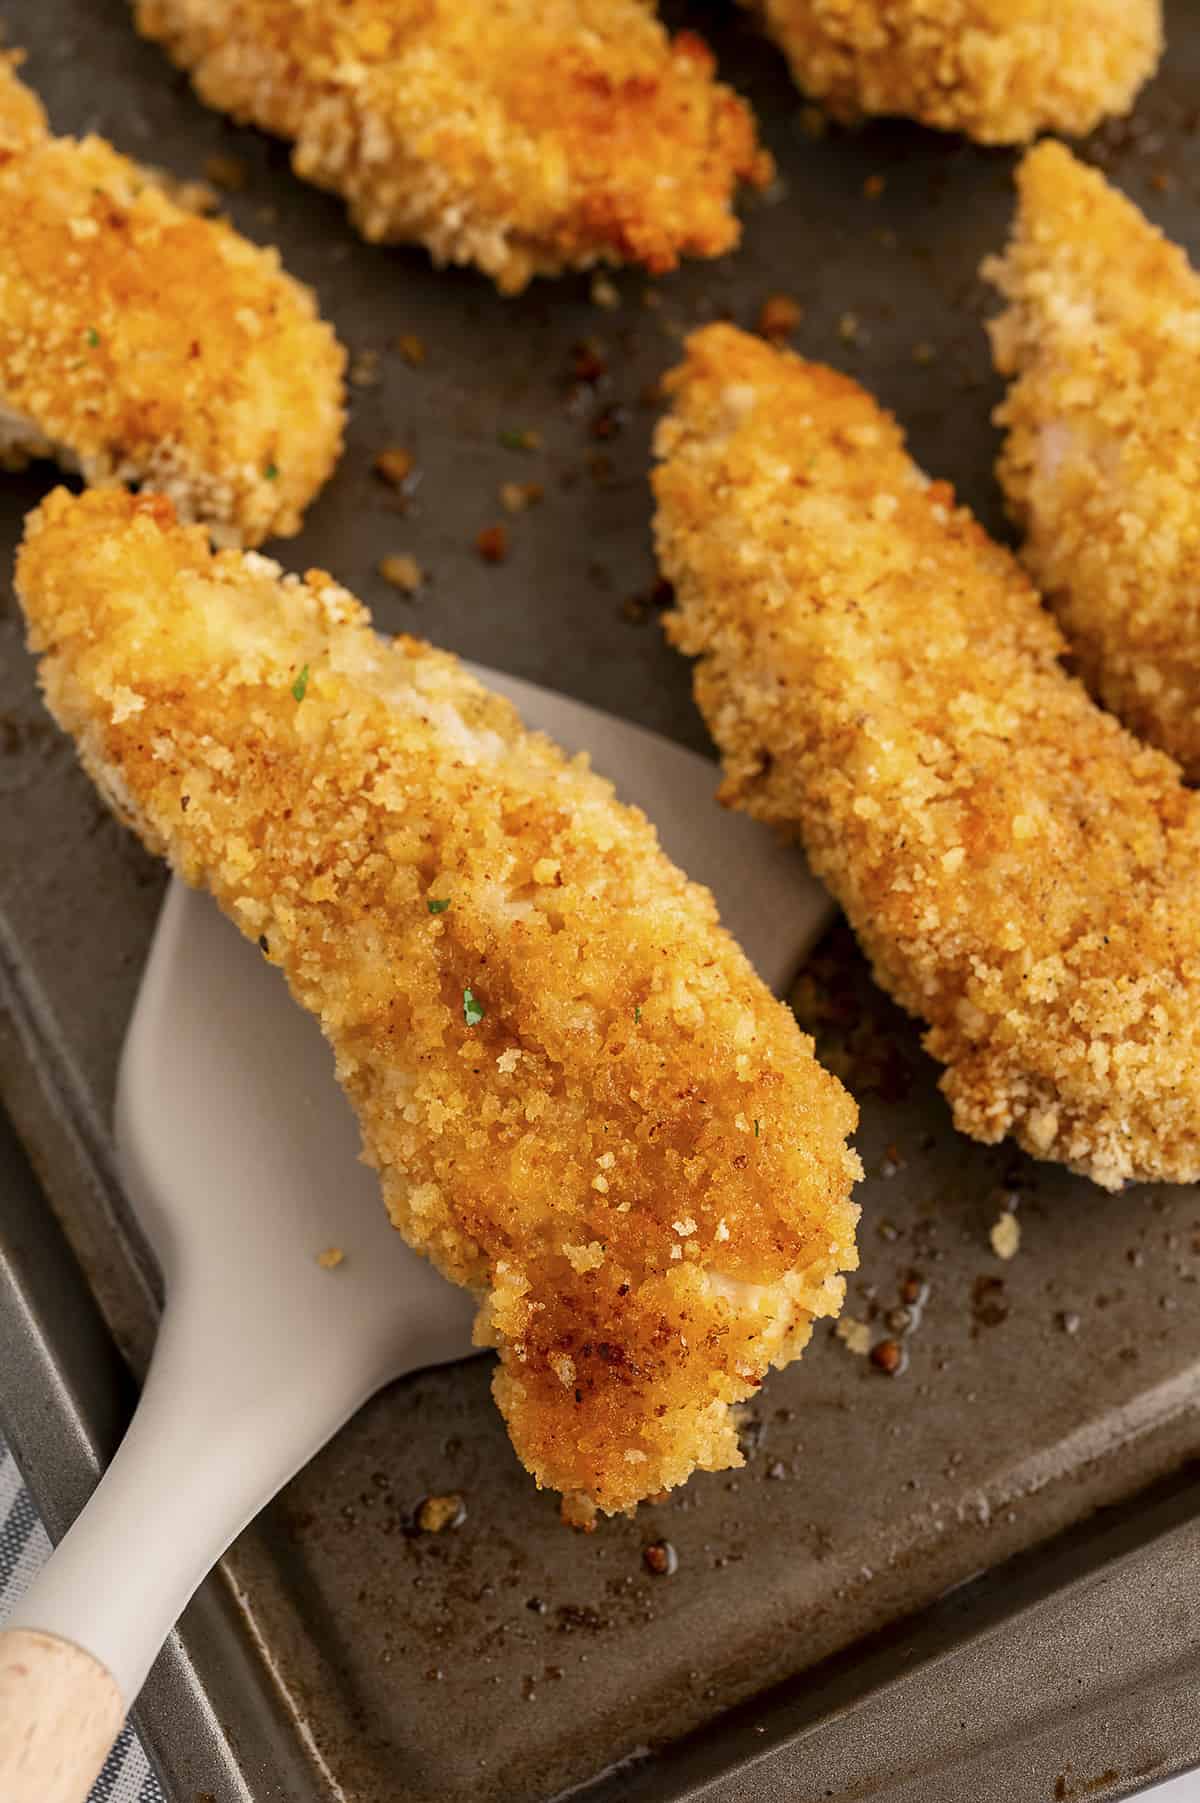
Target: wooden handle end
60	1712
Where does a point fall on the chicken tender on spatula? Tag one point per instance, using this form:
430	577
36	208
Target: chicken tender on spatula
882	678
141	343
524	136
580	1099
1101	464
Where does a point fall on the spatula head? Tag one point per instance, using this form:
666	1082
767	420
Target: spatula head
240	1151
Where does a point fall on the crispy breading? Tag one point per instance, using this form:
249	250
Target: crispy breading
999	70
1101	464
139	342
881	677
580	1099
525	136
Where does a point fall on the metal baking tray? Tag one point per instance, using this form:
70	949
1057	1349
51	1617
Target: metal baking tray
979	1577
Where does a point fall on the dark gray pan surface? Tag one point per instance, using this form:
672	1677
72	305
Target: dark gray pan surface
509	1658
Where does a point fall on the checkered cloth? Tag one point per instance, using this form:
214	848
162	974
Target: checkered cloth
24	1545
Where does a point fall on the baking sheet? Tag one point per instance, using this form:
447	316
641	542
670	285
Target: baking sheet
509	1658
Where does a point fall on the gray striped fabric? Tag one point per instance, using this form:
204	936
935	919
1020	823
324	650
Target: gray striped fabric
24	1545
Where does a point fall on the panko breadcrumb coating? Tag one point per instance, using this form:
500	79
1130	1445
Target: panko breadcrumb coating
580	1099
999	70
1101	465
881	677
525	136
139	342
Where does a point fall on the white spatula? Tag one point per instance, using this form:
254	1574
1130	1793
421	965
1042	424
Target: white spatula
239	1154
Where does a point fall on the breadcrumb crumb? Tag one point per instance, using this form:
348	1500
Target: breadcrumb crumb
1005	1235
394	466
524	136
402	571
329	826
1101	464
331	1258
880	676
139	342
854	1335
999	70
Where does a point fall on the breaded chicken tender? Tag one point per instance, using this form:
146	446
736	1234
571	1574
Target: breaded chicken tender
524	136
999	70
141	343
1101	464
880	677
580	1099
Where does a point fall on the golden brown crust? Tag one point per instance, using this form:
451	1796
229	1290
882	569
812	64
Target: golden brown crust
525	136
999	70
141	342
633	1154
880	676
1101	464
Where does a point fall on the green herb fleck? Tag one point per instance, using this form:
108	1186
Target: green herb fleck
519	438
92	336
300	686
756	1128
437	907
472	1008
637	1014
271	472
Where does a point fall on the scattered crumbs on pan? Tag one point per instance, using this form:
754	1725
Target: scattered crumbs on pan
589	361
228	173
850	329
412	349
989	1304
437	1513
519	438
874	186
923	352
637	609
779	316
1067	1321
518	497
1006	1234
608	422
402	572
331	1258
660	1559
394	466
892	1163
492	544
889	1356
605	293
914	1294
855	1335
857	1030
364	371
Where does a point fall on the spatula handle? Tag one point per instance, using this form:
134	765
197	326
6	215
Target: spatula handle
61	1712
